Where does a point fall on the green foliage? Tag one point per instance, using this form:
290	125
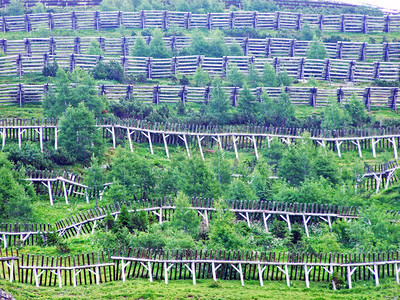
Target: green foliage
14	201
29	157
235	50
95	179
140	47
247	106
201	78
222	168
269	76
116	193
15	8
279	229
79	135
184	218
110	70
157	46
317	51
134	172
335	117
234	76
306	33
64	94
224	233
357	112
276	112
195	178
219	107
253	78
50	70
284	79
94	49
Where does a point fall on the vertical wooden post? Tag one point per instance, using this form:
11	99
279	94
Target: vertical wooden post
96	20
277	24
387	24
27	23
148	67
165	144
365	24
65	192
73	21
142	19
20	95
327	71
19	65
4	24
50	21
56	138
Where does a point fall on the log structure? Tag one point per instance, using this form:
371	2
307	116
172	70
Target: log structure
101	20
300	68
223	137
378	175
371	97
277	47
157	264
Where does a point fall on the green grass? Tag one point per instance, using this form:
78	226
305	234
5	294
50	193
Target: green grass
204	289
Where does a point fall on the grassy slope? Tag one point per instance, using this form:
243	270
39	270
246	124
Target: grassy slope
183	289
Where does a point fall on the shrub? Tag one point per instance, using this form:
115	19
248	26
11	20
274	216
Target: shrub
110	70
50	70
94	48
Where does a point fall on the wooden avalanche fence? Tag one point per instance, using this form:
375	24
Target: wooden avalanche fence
267	47
204	138
100	20
379	175
22	234
166	265
298	68
371	97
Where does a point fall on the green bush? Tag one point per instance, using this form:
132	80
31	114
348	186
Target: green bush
110	70
50	70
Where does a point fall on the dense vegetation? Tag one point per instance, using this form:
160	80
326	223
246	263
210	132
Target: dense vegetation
301	172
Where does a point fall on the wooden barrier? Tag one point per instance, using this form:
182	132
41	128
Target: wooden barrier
157	264
21	234
296	67
77	20
371	97
267	47
224	137
377	175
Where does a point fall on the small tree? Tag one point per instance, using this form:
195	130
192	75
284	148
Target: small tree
78	134
269	76
253	78
234	77
247	106
95	179
94	48
317	50
219	107
184	218
334	116
201	77
284	79
140	48
276	112
157	46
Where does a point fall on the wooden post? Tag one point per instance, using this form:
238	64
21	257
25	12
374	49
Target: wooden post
27	23
260	273
367	98
20	95
56	138
357	143
96	19
397	270
188	20
327	71
234	139
393	95
277	22
287	220
338	144
373	143
3	138
351	71
392	140
307	275
305	222
313	96
265	219
165	144
365	24
4	24
148	67
148	136
129	134
192	269
363	52
50	21
350	272
165	20
240	271
386	56
215	269
183	138
286	272
387	24
19	65
72	62
73	21
65	192
199	139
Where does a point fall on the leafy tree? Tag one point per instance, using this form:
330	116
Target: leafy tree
247	106
140	48
79	135
224	234
219	107
235	50
157	46
95	179
64	94
15	8
201	77
134	172
276	112
284	79
334	116
221	168
195	178
116	193
306	33
269	76
216	45
253	78
94	49
14	200
123	219
110	70
184	218
317	51
234	77
29	156
240	190
357	112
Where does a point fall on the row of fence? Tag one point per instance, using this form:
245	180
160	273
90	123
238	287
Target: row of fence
298	68
192	136
267	47
154	264
371	97
99	20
